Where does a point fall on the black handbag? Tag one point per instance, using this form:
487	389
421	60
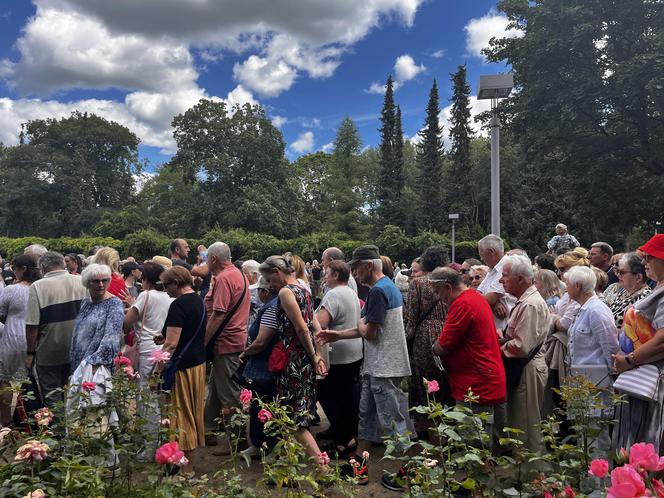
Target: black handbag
514	367
171	367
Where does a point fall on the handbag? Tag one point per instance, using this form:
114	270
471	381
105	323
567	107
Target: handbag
133	350
279	357
641	382
171	368
514	367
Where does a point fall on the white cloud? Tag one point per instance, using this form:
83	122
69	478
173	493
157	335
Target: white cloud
445	115
480	30
279	121
145	50
438	53
405	68
267	77
328	147
304	143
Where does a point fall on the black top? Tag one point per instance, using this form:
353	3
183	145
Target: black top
181	262
186	312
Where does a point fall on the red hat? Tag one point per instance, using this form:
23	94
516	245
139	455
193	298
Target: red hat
654	247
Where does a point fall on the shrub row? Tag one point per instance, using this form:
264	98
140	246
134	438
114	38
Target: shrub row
144	244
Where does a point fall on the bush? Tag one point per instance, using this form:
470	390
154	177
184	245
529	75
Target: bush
10	248
143	245
81	245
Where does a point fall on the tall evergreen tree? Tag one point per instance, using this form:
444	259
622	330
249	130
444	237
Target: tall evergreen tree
390	176
460	135
429	161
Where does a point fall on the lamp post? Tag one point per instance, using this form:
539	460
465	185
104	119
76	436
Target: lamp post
495	87
453	217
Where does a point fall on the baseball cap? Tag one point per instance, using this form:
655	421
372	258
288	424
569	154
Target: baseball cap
365	253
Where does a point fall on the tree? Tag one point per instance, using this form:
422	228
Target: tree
390	177
66	174
429	160
239	158
460	136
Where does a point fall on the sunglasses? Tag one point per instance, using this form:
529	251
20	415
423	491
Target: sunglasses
476	277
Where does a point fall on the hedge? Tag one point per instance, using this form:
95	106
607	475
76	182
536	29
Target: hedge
144	244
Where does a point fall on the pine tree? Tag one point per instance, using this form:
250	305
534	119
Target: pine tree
390	175
460	135
429	161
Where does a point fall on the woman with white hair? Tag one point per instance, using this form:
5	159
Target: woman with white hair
98	330
593	337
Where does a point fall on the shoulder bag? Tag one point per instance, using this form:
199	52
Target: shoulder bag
209	347
641	382
171	368
514	367
133	350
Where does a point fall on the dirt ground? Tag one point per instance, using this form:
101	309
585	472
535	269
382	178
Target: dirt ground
207	463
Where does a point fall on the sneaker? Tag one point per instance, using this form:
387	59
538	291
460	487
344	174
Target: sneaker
389	481
251	452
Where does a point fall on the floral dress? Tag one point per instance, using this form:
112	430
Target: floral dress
13	306
297	385
423	321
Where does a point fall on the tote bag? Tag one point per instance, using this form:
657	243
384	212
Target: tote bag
641	382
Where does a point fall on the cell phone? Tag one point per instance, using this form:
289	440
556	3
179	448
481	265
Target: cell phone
203	256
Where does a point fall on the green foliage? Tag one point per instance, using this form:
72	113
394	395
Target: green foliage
144	244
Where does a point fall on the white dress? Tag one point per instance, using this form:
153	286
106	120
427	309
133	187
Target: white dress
13	305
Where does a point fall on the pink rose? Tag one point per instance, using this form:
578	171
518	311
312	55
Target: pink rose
432	386
43	417
365	455
169	453
37	493
598	468
165	422
159	356
547	495
323	458
32	451
569	492
245	397
643	457
626	483
88	386
130	372
121	360
264	415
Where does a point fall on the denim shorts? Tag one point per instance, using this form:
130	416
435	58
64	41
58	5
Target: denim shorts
383	408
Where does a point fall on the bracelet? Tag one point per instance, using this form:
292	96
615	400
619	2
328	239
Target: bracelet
631	360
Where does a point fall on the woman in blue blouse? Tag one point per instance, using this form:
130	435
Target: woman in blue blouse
98	330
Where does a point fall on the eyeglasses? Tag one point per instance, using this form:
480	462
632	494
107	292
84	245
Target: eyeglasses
98	281
620	272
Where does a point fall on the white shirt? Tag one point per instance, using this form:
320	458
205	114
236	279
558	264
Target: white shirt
155	316
491	283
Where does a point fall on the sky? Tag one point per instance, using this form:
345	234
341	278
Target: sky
309	63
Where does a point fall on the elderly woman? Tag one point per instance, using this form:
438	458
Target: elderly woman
184	330
110	257
13	308
261	340
631	286
424	316
98	330
339	393
296	385
638	420
476	275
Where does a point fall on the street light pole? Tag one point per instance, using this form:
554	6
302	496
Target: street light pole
495	168
495	87
453	217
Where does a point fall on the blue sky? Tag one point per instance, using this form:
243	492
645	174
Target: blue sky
309	63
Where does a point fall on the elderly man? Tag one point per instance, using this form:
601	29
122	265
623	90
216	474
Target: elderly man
562	241
53	305
492	252
227	304
468	343
35	250
525	366
179	250
383	405
335	254
600	256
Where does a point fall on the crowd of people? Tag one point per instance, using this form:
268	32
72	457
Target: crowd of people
343	335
